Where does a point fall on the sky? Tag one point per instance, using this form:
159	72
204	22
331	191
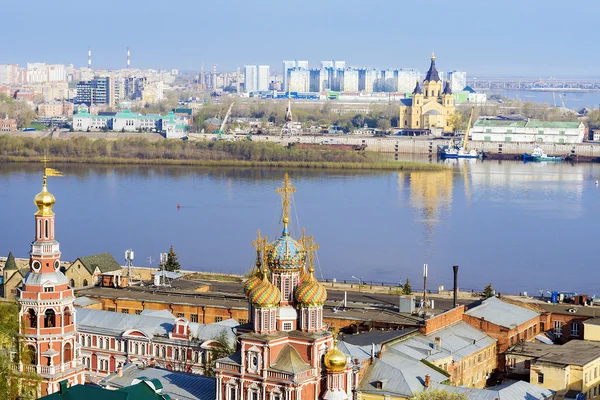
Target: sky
500	38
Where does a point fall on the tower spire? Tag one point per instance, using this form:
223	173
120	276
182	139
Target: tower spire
286	192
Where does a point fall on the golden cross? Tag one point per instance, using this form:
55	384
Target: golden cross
258	242
265	247
45	161
310	246
285	193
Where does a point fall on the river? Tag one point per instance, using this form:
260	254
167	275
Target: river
575	100
522	227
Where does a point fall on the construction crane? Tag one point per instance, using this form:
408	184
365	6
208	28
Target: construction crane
221	130
466	138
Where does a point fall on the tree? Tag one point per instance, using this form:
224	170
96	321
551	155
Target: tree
488	291
384	124
222	347
439	394
594	119
407	289
172	264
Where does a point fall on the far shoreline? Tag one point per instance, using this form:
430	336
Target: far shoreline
407	166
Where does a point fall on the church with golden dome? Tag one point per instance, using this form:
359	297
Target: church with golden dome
285	351
430	107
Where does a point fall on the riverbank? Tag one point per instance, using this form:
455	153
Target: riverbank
245	154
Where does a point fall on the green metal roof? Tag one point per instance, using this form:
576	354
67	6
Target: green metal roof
10	262
500	122
104	261
532	123
139	391
552	124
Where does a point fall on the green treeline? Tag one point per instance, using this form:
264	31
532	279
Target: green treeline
144	151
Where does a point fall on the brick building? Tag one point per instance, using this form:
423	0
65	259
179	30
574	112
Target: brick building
507	323
47	332
8	125
109	340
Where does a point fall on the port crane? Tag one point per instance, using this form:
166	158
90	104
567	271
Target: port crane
466	138
221	129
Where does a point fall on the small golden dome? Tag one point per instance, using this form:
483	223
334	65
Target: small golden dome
335	359
44	201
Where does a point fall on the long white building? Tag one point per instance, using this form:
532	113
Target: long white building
527	131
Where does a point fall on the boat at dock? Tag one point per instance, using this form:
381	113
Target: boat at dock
454	151
539	155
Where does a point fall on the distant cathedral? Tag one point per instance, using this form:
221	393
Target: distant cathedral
285	352
430	106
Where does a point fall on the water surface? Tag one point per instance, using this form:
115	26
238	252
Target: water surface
522	227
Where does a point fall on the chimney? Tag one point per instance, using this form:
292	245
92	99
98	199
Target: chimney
455	269
427	380
438	343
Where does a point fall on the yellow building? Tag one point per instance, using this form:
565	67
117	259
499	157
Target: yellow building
430	106
86	271
591	329
568	369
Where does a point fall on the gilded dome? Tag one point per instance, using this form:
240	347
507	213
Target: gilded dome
264	294
285	253
335	359
311	292
44	201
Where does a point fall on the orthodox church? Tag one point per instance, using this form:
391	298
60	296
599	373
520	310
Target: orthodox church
285	352
47	333
430	107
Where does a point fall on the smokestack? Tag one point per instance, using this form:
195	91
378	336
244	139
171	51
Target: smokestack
128	58
427	380
89	57
438	343
455	269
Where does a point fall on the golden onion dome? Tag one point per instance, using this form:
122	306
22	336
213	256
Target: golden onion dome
44	201
335	359
265	294
311	292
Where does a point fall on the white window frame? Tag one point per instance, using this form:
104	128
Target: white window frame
558	328
574	329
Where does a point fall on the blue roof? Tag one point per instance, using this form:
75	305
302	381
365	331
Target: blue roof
286	253
406	102
501	313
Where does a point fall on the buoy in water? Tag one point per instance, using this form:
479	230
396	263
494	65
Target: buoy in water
178	206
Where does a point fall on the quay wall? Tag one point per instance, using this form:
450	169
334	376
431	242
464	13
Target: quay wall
418	145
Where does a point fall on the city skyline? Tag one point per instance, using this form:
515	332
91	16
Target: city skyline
507	39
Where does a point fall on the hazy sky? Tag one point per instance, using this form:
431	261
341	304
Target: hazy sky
482	37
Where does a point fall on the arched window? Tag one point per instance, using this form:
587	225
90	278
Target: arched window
85	282
72	283
67	317
40	229
163	352
176	354
30	356
136	349
67	353
32	317
49	318
46	229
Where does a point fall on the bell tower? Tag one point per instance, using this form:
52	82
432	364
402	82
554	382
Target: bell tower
47	333
432	85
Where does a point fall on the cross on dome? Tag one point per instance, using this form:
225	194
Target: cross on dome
285	193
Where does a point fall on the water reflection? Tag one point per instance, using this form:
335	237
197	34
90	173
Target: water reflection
489	217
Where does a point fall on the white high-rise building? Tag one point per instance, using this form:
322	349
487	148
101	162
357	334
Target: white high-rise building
366	80
298	80
42	72
263	77
458	80
9	74
407	79
287	65
350	80
333	64
250	78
